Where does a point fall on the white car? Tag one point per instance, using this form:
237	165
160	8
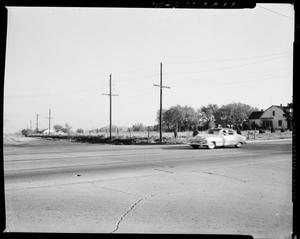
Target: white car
218	137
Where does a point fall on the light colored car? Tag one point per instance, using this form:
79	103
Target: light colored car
218	137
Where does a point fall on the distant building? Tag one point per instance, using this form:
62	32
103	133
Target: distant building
277	117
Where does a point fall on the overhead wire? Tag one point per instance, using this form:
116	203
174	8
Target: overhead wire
237	82
228	67
239	76
156	75
116	82
231	59
275	12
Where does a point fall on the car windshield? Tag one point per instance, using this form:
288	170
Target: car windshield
214	131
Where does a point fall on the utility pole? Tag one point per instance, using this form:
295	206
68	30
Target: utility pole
161	86
110	105
49	118
37	122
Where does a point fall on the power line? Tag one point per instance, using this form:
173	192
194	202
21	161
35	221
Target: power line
227	67
279	54
239	82
275	12
148	76
242	76
135	70
270	56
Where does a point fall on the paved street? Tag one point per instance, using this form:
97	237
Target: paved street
57	186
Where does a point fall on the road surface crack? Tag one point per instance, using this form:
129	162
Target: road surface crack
125	214
163	170
238	179
120	191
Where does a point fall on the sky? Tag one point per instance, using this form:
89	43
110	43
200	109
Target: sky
61	59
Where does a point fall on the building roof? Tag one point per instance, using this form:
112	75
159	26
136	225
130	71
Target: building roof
285	109
255	114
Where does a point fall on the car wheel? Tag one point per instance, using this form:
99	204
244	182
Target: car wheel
238	145
195	146
211	145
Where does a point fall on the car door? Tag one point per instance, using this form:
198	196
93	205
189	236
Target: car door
231	137
228	136
224	135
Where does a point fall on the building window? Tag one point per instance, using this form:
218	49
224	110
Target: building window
279	123
273	112
267	124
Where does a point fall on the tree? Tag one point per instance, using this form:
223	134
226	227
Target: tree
58	127
26	132
186	118
67	129
79	131
222	116
190	118
233	114
138	127
172	117
208	115
179	118
165	122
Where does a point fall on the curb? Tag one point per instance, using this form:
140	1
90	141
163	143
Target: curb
266	140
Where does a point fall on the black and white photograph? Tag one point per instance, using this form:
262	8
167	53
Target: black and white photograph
149	120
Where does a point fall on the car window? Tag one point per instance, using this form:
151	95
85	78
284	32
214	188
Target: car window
224	132
213	131
230	132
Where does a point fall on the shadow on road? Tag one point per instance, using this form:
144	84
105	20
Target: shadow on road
179	147
187	147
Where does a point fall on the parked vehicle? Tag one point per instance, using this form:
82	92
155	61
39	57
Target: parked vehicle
218	137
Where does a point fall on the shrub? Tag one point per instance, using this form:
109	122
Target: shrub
272	130
261	131
138	127
79	131
26	132
282	130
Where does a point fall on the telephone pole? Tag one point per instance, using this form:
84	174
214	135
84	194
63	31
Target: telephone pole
110	105
161	86
37	122
49	118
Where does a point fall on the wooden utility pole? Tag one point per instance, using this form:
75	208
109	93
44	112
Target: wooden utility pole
37	122
49	118
110	105
161	86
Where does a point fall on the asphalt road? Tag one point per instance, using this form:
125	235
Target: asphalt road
70	187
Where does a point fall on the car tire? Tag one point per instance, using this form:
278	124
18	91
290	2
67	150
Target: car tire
211	145
195	146
238	145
